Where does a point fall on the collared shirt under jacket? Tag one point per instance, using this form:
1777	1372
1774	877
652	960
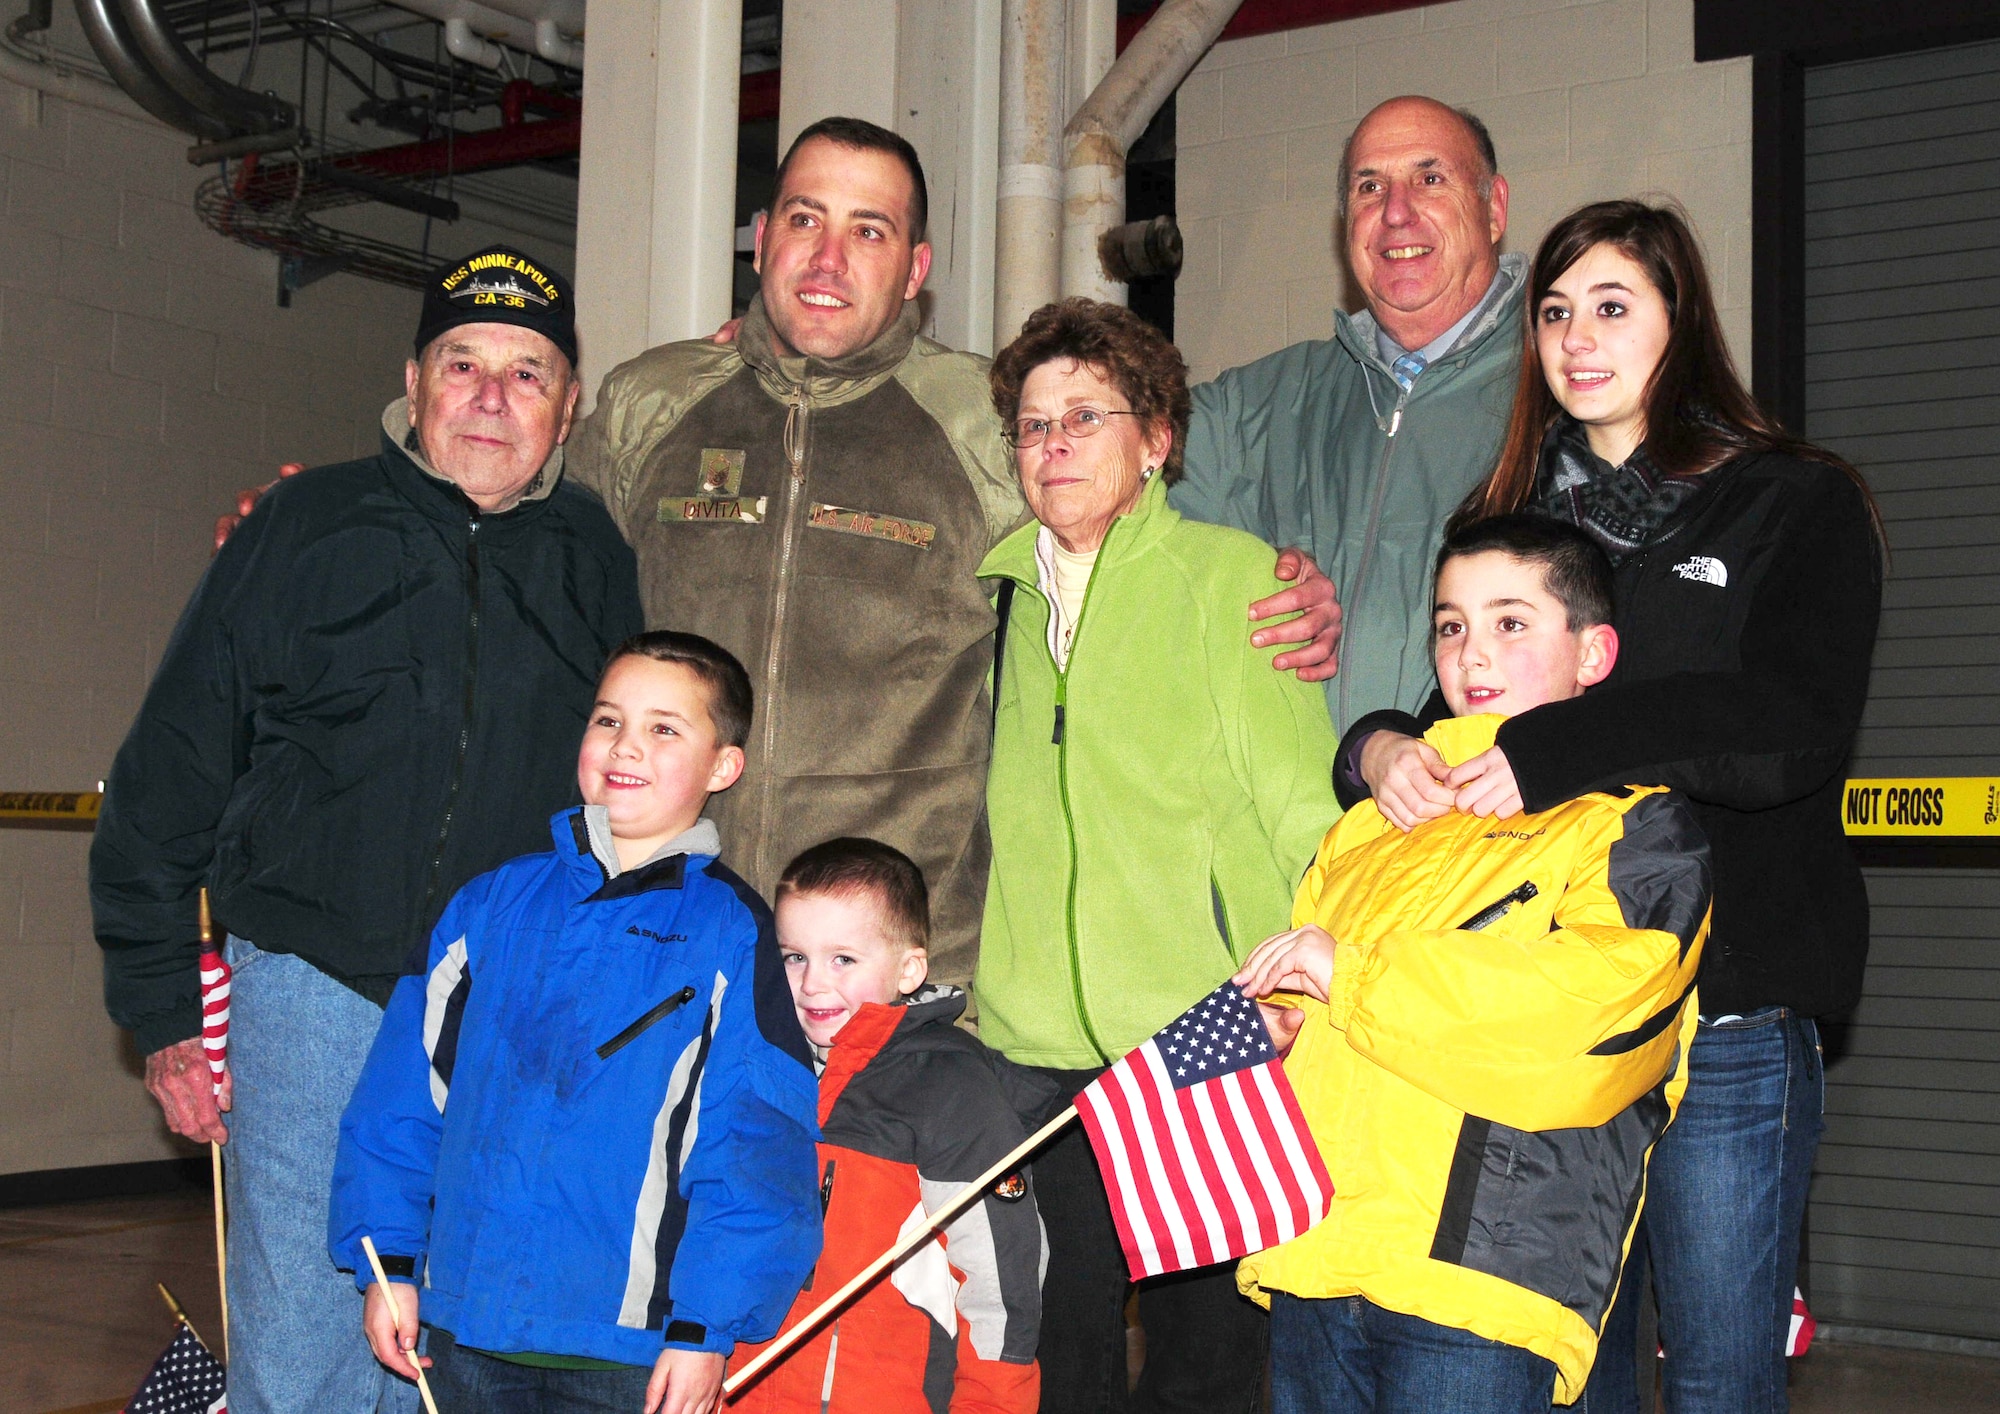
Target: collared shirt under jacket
1317	446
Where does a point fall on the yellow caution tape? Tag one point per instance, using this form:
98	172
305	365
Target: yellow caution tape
1908	807
1923	807
50	804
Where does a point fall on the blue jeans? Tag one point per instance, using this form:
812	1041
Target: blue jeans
1724	1200
470	1380
1346	1355
297	1039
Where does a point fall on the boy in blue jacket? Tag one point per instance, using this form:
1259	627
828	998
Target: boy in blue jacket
586	1133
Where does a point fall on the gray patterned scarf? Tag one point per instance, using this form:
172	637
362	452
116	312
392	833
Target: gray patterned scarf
1624	508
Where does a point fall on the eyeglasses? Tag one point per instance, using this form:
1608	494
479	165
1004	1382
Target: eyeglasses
1076	423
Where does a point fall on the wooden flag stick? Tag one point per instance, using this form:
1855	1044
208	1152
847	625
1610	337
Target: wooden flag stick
215	1170
396	1313
221	1244
818	1316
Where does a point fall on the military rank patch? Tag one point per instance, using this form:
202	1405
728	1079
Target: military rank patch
721	472
720	497
916	533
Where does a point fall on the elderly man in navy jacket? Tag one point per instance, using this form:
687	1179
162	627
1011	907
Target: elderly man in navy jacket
374	695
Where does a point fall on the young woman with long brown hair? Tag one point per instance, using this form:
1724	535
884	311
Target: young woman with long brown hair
1748	577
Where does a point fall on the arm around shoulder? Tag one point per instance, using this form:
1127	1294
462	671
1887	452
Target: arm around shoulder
1772	730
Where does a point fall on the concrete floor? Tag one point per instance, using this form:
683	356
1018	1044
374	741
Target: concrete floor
80	1321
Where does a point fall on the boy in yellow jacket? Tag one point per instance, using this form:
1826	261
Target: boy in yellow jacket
1492	1034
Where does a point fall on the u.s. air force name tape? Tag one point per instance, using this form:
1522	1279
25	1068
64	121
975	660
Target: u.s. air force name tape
1923	807
49	804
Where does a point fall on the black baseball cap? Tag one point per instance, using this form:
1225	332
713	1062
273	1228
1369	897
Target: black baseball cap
499	285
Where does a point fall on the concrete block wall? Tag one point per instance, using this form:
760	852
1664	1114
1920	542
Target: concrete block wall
1585	101
149	374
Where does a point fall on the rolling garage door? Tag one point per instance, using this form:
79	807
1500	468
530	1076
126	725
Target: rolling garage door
1903	377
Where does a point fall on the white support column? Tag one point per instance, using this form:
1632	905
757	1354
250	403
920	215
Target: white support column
948	106
1028	229
839	60
657	191
700	77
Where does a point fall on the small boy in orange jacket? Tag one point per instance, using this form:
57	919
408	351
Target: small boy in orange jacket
911	1109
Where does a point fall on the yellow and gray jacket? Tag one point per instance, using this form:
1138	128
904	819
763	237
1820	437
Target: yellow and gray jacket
823	520
1506	1039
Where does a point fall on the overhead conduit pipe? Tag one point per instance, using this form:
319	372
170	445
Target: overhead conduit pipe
104	26
1110	121
160	48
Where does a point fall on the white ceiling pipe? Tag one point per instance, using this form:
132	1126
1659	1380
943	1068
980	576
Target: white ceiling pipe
550	44
481	22
1111	120
567	14
1028	218
70	85
461	43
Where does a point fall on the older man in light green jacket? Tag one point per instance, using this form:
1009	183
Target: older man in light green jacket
1357	447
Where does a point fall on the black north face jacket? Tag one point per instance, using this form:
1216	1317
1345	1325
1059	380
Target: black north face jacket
1744	640
374	695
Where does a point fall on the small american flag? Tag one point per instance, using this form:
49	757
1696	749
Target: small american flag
184	1380
1799	1336
215	975
1205	1154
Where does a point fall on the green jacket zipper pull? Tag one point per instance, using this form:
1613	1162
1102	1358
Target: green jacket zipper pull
1056	738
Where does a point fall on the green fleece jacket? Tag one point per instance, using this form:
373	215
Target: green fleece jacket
1316	446
1154	804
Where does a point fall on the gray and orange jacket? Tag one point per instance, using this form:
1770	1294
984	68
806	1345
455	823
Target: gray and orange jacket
824	520
911	1109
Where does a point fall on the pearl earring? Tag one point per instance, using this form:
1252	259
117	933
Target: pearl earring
1147	474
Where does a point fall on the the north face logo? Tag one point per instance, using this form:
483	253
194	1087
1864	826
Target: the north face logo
1705	568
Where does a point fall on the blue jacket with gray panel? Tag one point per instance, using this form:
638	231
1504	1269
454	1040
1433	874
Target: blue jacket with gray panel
588	1128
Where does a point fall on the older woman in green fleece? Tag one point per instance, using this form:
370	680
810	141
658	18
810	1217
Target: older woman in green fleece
1156	792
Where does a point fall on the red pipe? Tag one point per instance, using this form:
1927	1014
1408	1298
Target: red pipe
506	146
757	101
522	94
1271	16
518	140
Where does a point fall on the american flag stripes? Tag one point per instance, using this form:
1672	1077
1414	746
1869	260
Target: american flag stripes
1799	1336
1204	1151
215	1013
